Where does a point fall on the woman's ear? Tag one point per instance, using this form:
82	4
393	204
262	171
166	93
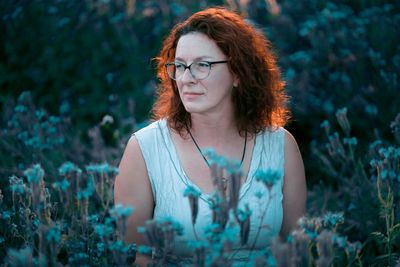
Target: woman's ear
235	81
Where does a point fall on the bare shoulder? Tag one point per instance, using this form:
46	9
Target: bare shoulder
294	166
132	185
294	189
290	142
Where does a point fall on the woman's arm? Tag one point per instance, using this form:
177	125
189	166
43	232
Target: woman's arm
132	187
294	188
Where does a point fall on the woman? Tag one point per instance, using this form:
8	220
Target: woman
220	88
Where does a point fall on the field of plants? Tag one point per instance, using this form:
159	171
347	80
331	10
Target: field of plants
77	78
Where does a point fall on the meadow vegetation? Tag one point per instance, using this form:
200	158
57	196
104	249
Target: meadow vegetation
77	79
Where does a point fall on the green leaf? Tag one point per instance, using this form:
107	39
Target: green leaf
378	237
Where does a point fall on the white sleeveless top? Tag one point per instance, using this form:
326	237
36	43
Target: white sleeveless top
168	181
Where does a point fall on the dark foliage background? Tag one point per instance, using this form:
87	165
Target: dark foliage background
87	66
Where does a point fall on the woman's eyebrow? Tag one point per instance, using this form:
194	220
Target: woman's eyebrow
195	59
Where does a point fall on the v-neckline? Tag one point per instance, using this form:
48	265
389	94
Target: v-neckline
254	162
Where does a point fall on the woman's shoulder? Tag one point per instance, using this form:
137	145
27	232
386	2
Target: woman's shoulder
152	126
151	136
281	134
274	133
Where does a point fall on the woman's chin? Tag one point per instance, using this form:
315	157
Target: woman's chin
193	109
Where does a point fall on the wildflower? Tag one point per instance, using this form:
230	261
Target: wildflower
54	235
259	194
234	190
310	226
54	119
280	252
17	185
353	247
268	177
63	185
350	141
24	96
333	219
19	257
213	158
64	108
34	174
23	136
86	192
220	210
325	125
351	206
230	233
395	126
67	168
79	258
339	240
39	114
371	109
300	245
103	230
6	215
324	247
211	230
271	262
104	168
35	222
145	250
107	119
101	247
243	217
117	246
193	195
160	233
93	218
20	109
341	116
199	256
120	210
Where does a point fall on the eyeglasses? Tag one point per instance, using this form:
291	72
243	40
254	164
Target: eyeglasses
199	70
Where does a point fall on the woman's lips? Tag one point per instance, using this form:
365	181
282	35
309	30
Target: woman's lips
192	93
190	96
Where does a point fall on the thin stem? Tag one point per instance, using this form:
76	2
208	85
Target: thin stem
261	224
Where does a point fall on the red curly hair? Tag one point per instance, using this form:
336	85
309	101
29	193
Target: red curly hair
259	100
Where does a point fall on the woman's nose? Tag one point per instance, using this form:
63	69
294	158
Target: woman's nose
187	76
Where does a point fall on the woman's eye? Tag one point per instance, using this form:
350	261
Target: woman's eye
179	66
203	64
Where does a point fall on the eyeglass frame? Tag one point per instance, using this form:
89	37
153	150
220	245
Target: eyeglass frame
188	67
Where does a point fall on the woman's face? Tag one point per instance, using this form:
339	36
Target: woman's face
211	94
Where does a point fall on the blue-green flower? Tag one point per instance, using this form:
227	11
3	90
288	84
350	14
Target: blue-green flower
101	247
62	185
54	235
193	196
34	174
103	230
268	177
350	141
86	192
20	109
333	219
145	250
67	168
191	191
120	210
103	168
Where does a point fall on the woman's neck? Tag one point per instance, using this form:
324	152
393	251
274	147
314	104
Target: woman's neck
213	131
